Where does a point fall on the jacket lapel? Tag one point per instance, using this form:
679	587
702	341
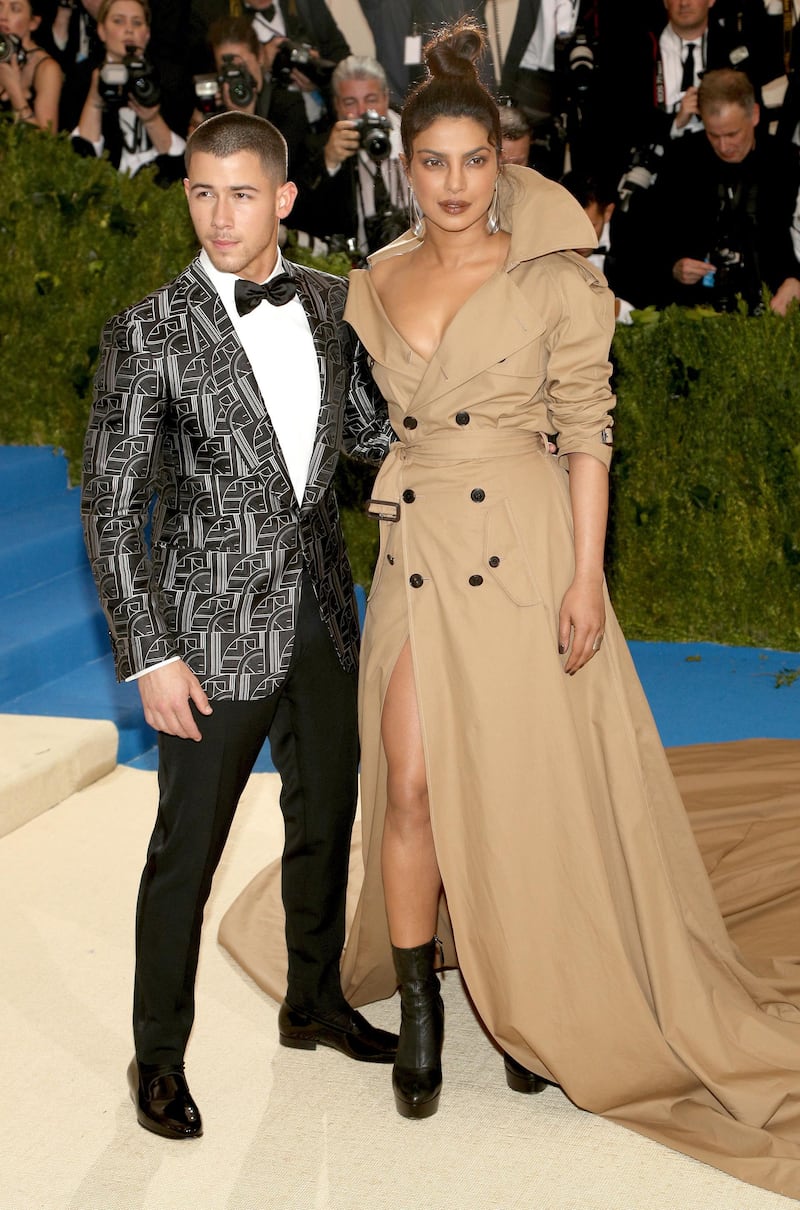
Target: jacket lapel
238	400
334	380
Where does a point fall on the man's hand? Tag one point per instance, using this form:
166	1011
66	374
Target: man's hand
786	292
166	693
689	272
687	108
343	141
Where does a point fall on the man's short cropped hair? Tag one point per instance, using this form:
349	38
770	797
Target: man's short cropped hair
103	11
232	132
725	87
358	67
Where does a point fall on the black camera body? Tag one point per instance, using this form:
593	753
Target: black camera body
298	55
374	133
11	48
135	77
242	87
575	60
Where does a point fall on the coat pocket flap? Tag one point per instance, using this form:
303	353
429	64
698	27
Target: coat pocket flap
505	558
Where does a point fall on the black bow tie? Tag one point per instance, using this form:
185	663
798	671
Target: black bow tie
278	291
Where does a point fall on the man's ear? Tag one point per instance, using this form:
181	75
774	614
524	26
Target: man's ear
756	114
285	197
609	210
186	187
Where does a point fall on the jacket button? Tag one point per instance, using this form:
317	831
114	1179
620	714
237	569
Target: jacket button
408	496
409	422
462	417
478	495
416	580
494	561
476	581
390	560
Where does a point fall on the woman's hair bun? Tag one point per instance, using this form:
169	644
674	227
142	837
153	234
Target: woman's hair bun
455	51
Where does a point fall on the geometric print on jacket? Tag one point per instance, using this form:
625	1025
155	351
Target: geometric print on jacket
177	415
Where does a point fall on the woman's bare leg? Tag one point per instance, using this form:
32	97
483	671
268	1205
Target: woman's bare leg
411	877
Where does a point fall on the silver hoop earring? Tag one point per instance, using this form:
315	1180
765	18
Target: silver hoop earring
416	218
493	213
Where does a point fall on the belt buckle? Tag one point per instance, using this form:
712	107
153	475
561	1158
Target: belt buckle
383	510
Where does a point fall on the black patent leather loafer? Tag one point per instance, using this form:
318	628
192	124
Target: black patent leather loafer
163	1102
520	1079
347	1032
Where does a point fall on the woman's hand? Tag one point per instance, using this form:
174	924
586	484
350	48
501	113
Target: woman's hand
583	615
11	86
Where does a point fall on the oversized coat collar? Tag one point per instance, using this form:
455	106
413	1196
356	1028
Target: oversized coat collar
500	318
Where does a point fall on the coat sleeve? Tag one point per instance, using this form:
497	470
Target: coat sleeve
121	456
367	432
577	389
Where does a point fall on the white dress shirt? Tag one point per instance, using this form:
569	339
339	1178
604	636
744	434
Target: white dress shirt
390	169
281	352
556	18
673	51
137	150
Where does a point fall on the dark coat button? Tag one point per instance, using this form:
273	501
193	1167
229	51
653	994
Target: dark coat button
478	495
416	580
408	496
494	561
462	417
410	422
390	560
476	581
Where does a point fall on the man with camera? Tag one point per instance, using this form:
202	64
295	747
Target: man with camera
355	188
724	204
122	110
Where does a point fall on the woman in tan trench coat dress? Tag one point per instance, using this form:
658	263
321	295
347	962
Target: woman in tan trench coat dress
585	925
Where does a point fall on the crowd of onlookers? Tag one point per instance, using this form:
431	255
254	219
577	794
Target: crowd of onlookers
674	122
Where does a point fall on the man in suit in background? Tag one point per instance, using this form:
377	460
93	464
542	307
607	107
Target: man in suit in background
228	400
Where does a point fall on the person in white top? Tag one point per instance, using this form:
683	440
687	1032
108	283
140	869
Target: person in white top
226	396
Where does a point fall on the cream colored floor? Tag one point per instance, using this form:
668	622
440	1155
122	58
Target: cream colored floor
284	1129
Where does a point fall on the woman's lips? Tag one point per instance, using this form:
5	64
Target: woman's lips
454	207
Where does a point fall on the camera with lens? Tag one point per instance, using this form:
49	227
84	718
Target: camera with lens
298	55
374	134
241	85
640	174
11	48
135	77
576	61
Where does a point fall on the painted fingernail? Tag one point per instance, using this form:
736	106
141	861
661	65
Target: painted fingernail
562	647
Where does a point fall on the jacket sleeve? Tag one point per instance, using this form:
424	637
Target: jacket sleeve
367	432
121	455
577	389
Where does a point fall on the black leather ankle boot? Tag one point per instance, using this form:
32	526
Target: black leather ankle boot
417	1072
520	1078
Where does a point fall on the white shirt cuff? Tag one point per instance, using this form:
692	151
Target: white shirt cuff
625	309
144	671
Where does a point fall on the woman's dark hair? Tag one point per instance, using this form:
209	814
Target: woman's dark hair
452	88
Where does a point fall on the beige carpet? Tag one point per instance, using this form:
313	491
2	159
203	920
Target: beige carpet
288	1130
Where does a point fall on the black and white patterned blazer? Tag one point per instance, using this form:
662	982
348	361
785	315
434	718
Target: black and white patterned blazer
178	416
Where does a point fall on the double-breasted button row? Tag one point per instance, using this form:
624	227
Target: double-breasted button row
410	422
478	495
494	561
462	418
476	581
416	580
409	496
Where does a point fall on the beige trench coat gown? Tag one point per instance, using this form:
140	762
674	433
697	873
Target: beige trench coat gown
584	922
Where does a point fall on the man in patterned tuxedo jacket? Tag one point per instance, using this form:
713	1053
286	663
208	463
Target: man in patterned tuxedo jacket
239	622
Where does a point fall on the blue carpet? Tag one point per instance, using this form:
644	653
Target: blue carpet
55	658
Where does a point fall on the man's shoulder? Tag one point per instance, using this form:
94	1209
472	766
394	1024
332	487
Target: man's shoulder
326	287
170	299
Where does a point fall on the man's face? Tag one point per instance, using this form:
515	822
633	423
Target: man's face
731	132
355	97
688	17
236	208
515	150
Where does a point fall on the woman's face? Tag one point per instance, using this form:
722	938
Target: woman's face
453	169
16	18
125	25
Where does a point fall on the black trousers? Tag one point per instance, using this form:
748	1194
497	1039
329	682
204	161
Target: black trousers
312	726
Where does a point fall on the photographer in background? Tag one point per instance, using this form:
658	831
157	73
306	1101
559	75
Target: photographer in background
355	187
122	110
725	206
30	79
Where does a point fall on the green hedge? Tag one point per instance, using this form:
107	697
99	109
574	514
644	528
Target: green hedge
703	540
